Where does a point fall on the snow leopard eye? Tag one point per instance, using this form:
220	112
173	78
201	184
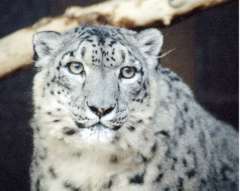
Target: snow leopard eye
127	72
75	67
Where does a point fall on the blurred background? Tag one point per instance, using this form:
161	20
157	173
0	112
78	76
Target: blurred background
206	56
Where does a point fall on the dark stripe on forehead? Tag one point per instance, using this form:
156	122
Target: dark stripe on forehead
83	51
123	56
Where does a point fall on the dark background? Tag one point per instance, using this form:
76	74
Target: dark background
206	56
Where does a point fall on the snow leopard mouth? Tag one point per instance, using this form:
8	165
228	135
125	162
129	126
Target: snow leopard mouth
97	125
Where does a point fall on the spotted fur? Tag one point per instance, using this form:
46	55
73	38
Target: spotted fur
100	131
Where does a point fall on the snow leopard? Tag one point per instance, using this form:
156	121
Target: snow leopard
109	117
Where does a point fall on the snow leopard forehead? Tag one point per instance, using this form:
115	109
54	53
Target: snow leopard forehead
100	46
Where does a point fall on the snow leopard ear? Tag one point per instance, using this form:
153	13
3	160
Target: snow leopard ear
151	41
45	43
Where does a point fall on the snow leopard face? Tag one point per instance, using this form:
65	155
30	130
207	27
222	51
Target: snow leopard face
94	83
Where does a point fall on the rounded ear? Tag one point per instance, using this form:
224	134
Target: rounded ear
44	43
151	41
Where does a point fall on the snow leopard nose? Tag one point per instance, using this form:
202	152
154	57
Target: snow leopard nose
100	112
